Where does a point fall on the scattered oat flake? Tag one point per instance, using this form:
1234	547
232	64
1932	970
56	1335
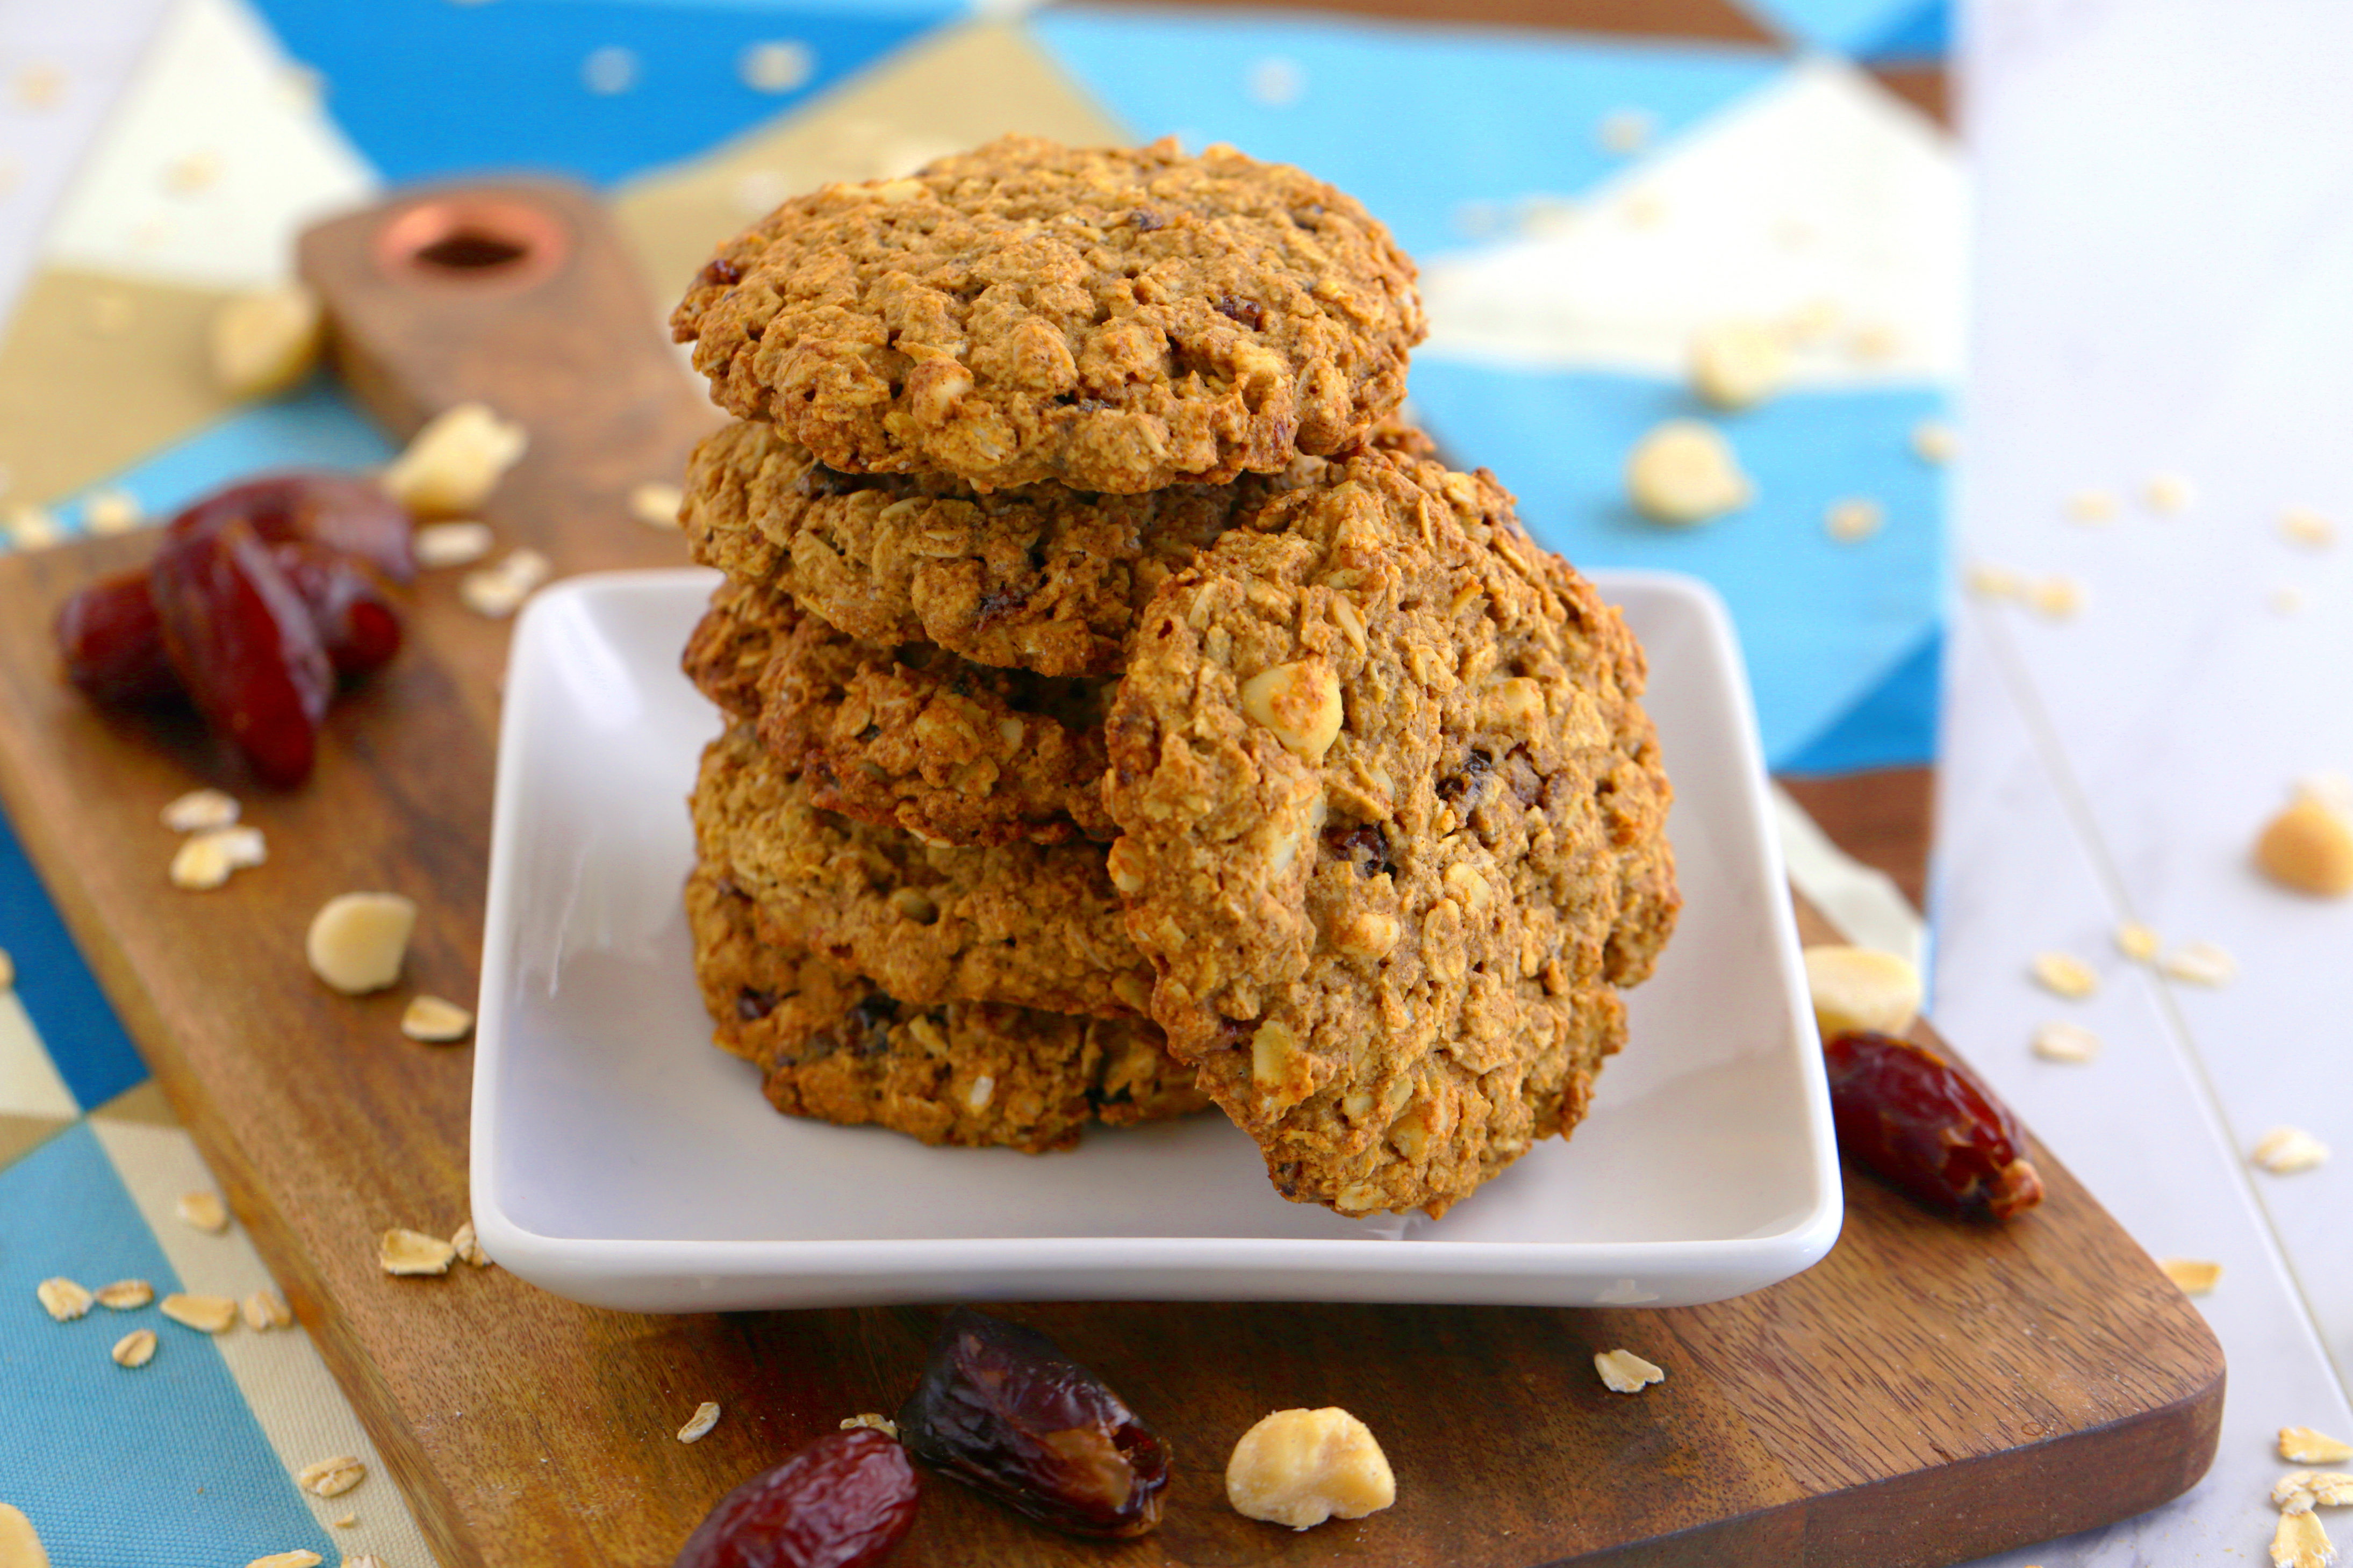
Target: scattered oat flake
30	527
2065	974
287	1560
203	1210
124	1295
1876	341
63	1300
206	1314
267	1310
1624	1372
197	172
2169	493
2092	506
435	1021
778	66
2201	963
2302	525
705	1416
201	811
2191	1276
882	1424
201	863
467	1248
656	504
1628	131
39	87
1988	582
2301	1542
452	543
2137	943
2287	1150
498	590
330	1477
2288	601
2065	1043
134	1349
348	1521
1935	442
112	511
1857	519
2055	597
2302	1445
414	1252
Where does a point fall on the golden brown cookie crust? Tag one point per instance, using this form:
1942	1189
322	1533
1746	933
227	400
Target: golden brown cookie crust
1392	831
835	1046
1110	318
1033	926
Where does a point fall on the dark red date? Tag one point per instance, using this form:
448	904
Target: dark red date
1004	1411
347	602
113	643
242	644
1925	1123
344	512
844	1501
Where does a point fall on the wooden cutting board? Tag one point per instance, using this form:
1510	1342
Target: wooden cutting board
1930	1393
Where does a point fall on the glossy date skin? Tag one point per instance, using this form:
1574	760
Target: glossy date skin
844	1501
243	643
1002	1410
1921	1121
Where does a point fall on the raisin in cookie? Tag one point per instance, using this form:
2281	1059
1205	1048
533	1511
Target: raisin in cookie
1392	832
1034	926
1110	318
1041	577
832	1046
909	737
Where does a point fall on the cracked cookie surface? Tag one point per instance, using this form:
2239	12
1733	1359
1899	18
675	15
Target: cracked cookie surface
1031	925
1041	577
909	736
835	1046
1111	319
1392	824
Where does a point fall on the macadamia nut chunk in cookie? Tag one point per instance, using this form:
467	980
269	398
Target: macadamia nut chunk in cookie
1392	832
1115	320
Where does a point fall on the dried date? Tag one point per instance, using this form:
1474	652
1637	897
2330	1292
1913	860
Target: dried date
844	1501
1925	1123
242	644
347	602
1002	1410
112	641
343	511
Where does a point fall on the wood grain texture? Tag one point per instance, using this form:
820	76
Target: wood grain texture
1930	1393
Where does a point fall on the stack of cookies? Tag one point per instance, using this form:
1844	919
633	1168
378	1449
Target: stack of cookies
1124	712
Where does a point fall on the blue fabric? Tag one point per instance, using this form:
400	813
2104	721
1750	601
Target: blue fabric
1894	724
316	426
1415	121
187	1476
1822	623
1841	27
1921	37
427	89
92	1054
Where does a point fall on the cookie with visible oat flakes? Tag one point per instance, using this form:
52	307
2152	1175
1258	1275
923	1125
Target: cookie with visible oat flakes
1031	925
1041	577
835	1046
909	737
1392	832
1111	319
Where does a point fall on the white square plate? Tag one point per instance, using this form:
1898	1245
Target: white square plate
620	1159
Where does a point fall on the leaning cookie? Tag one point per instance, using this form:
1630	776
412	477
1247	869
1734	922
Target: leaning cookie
838	1048
1029	925
1392	827
1115	320
911	736
1042	577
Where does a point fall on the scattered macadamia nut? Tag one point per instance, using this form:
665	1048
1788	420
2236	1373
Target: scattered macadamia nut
1301	1467
1737	364
656	504
1684	472
1856	988
357	940
201	811
436	1021
453	463
2308	847
264	342
112	511
1624	1372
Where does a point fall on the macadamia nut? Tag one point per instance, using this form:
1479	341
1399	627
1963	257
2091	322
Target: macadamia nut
357	940
2308	847
1684	472
1855	988
453	463
1301	1467
1736	363
264	342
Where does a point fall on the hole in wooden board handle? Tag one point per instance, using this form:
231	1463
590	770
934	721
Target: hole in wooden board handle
472	242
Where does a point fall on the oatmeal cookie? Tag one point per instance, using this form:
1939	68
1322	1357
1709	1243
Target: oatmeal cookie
909	737
1392	832
1041	577
1034	926
1110	318
832	1046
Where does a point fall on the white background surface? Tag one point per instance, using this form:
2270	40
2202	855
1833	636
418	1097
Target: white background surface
2164	274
